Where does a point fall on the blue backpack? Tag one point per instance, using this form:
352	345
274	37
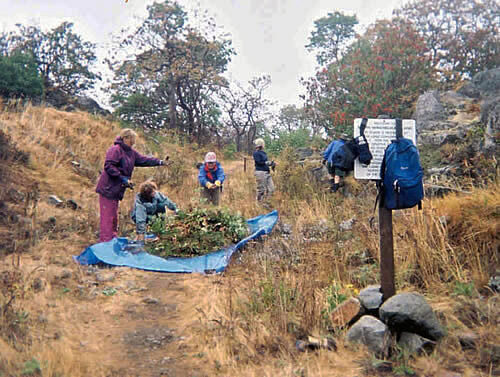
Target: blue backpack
401	173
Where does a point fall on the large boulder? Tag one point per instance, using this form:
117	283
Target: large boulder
483	84
63	101
346	312
304	153
488	82
428	109
56	98
490	115
411	313
371	332
88	104
447	117
447	133
371	297
415	343
444	117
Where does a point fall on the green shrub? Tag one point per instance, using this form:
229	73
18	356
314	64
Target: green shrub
19	77
294	139
229	151
31	368
464	289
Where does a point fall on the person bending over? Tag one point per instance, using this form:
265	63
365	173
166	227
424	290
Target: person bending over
148	203
211	177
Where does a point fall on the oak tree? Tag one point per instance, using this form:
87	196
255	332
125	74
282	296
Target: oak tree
330	35
63	59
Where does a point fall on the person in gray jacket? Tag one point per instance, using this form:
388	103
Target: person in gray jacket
149	202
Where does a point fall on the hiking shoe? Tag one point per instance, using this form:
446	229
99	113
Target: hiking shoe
335	187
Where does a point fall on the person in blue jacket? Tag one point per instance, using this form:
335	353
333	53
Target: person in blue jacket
328	158
211	177
149	202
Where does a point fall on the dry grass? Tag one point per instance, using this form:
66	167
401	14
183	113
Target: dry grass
244	322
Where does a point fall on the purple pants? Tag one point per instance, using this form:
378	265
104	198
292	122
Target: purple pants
109	219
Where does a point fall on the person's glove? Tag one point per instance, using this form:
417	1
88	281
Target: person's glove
127	183
217	183
164	161
324	162
209	185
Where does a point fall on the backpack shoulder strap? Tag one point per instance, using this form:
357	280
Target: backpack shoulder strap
399	128
362	127
379	199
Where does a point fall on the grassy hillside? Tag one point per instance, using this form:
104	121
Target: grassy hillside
57	317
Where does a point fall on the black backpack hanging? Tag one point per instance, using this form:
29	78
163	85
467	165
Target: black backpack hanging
345	156
365	156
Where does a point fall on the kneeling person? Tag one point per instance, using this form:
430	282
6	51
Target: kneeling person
211	177
149	202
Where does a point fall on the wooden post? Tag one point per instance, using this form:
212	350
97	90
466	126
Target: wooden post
244	164
386	252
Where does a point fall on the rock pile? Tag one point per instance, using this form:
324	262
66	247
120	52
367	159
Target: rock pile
405	319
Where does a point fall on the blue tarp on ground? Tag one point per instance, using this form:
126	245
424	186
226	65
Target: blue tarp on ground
122	252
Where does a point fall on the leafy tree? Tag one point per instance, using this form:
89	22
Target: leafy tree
138	108
291	118
246	109
177	67
291	127
62	57
19	77
318	101
462	35
331	33
384	72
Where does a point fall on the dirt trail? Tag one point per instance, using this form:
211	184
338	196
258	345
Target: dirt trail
139	324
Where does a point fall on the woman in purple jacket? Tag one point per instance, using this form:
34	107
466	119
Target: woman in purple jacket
120	161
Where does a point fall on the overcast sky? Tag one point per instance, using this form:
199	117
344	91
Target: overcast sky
268	35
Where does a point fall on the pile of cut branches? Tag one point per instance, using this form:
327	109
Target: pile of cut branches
196	232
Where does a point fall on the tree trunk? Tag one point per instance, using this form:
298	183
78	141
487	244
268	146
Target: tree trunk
250	138
172	103
238	142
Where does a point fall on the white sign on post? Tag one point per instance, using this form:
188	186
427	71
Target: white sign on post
379	133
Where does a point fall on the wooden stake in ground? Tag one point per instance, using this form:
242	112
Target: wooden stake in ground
386	252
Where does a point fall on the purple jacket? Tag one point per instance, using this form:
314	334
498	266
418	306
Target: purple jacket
118	167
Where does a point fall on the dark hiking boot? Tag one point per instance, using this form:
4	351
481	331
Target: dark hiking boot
335	187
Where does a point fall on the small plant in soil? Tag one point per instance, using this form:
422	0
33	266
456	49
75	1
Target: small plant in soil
196	232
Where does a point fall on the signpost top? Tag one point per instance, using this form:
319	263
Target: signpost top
379	133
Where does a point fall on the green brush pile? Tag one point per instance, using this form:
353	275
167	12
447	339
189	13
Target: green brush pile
197	232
